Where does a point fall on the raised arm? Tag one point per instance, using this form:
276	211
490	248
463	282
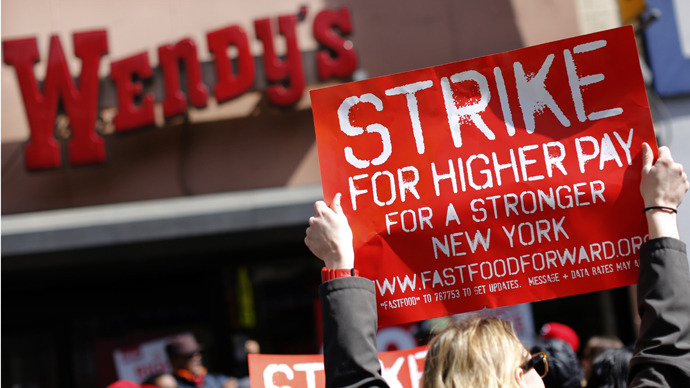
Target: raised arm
662	351
348	304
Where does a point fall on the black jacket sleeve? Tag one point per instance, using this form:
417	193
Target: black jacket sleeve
349	333
662	352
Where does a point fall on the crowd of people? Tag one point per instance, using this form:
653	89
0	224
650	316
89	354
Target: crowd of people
601	363
188	370
485	352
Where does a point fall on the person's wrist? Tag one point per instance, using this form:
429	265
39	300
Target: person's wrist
661	208
341	264
662	223
341	257
341	260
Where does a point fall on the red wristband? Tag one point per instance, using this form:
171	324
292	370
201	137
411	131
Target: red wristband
330	274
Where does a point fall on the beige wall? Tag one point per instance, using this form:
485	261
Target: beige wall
245	143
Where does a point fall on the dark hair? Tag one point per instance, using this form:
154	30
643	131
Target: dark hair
564	367
598	344
610	369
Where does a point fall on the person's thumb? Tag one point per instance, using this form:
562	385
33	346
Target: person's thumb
335	205
647	156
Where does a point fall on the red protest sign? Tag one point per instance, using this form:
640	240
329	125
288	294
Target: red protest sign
400	368
494	181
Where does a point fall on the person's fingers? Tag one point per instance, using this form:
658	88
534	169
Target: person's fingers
335	205
309	239
647	156
320	207
665	154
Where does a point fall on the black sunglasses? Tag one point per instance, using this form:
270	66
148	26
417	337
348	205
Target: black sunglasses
538	362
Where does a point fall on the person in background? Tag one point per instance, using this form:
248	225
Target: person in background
564	367
160	380
555	330
561	343
185	357
243	346
593	348
610	368
486	353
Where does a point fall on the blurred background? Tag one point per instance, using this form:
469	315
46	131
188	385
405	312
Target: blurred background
150	196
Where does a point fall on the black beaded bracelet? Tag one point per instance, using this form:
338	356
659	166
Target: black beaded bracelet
660	207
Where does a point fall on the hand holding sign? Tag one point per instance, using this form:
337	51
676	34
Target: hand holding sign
329	236
663	186
663	183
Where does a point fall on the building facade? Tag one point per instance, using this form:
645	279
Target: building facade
159	165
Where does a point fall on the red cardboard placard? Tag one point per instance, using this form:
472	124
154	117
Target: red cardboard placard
400	368
494	181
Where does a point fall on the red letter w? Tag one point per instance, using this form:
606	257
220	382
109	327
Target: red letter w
80	102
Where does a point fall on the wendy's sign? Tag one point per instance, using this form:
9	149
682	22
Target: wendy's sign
234	76
494	181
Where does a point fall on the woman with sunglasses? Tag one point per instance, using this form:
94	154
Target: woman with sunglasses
485	352
482	352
